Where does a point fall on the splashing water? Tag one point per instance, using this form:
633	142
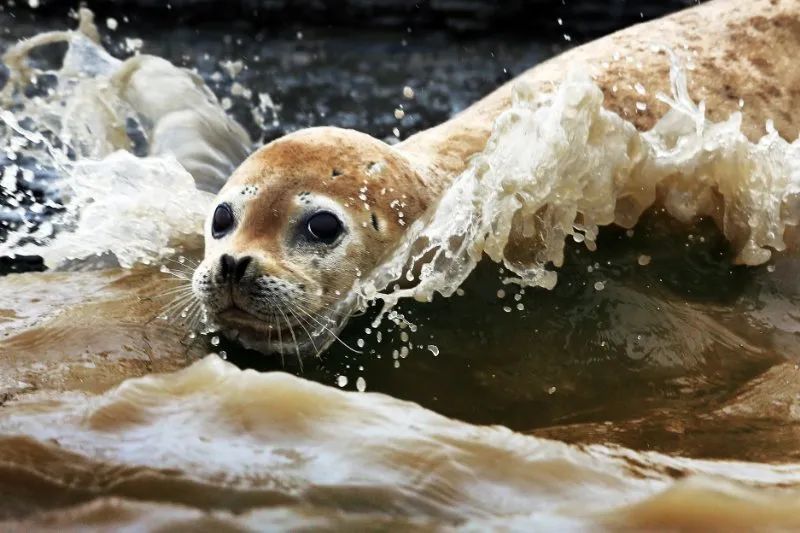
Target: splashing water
567	166
555	166
215	443
88	125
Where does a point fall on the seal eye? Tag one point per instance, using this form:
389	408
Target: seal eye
222	222
324	227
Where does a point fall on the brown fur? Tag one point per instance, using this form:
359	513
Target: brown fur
339	164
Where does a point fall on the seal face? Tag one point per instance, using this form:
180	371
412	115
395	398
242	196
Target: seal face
294	228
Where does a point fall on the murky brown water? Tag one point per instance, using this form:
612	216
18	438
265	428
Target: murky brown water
656	386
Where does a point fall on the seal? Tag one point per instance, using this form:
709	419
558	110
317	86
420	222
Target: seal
308	214
294	227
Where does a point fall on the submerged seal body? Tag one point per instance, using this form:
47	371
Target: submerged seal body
308	214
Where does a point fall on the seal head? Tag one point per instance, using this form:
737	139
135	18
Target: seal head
294	227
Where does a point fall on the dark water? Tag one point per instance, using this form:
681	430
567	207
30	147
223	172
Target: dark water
656	343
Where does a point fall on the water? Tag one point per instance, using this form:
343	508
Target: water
659	386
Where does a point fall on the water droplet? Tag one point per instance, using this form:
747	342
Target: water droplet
434	349
404	336
770	268
223	355
408	92
599	286
643	260
361	384
133	45
111	23
507	309
360	343
341	381
501	293
551	390
641	106
399	113
520	307
215	341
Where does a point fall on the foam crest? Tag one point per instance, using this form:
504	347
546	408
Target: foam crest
565	166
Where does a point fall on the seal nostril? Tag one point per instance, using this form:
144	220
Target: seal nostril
227	265
241	267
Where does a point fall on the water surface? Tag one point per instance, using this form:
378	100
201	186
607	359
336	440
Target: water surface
651	360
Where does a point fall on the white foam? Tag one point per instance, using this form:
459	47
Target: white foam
569	166
118	204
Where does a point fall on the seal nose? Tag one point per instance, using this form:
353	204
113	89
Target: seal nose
230	268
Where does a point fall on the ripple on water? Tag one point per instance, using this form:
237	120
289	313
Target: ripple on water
271	444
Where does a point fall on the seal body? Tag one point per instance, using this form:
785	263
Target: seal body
275	283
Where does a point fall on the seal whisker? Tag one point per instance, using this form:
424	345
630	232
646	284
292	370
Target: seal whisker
172	285
272	323
176	304
270	327
323	326
190	313
180	274
280	340
294	339
187	261
196	315
308	300
182	301
310	337
184	289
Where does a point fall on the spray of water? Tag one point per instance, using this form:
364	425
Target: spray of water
565	168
